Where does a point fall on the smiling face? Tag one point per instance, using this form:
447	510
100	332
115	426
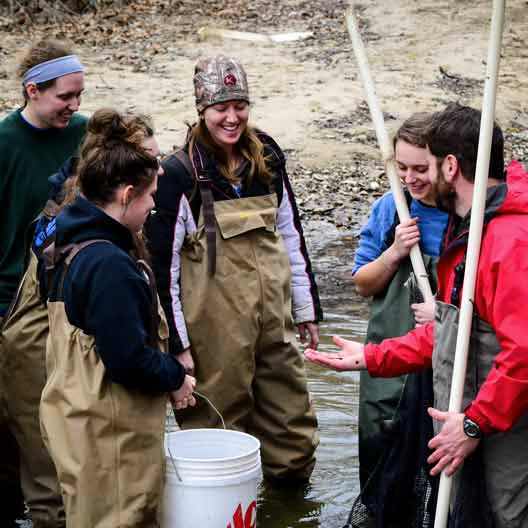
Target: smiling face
413	169
54	106
226	122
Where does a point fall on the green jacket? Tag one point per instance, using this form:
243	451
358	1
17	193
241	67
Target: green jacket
28	156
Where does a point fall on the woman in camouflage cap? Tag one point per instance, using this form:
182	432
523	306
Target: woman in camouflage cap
234	275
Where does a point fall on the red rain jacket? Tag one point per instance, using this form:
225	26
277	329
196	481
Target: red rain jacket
501	299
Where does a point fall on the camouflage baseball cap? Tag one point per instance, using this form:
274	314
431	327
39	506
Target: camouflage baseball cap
218	79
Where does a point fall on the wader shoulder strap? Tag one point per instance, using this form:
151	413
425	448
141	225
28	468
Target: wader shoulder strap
204	185
195	166
52	255
209	221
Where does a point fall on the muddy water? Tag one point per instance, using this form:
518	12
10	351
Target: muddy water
326	501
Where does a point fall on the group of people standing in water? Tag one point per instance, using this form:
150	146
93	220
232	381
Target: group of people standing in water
144	279
128	281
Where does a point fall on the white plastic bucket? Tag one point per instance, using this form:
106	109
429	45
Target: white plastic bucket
211	480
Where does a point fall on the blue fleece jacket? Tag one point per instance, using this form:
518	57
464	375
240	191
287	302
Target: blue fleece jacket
372	242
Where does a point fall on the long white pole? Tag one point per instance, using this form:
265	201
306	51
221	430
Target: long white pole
387	150
475	234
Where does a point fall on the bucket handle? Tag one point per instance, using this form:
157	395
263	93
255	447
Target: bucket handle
215	410
212	405
173	464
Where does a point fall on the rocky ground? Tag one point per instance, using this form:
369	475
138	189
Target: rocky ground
307	94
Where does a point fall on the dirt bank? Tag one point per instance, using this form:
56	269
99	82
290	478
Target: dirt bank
307	94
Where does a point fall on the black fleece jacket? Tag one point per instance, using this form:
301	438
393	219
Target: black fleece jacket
107	296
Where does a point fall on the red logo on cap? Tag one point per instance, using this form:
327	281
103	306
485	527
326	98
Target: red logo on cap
230	80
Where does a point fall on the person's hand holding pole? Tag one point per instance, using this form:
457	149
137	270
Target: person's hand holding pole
406	236
451	445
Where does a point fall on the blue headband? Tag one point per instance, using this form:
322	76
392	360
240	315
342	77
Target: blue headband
46	71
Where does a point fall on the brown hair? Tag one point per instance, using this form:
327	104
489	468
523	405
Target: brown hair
39	52
249	145
112	154
455	130
413	130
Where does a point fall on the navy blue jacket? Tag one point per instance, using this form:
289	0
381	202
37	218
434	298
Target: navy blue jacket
107	296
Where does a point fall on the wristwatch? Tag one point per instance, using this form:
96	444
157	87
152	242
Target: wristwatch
471	428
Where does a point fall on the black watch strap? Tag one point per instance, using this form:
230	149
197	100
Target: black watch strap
471	428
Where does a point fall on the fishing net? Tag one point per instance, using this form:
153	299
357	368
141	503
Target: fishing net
400	493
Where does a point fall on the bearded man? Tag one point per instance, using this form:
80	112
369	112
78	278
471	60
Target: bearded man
495	407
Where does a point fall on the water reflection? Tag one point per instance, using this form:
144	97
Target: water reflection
326	501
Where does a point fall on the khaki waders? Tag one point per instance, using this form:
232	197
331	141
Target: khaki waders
106	440
379	398
10	490
505	455
243	338
23	349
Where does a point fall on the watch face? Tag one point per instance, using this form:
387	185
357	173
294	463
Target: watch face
471	428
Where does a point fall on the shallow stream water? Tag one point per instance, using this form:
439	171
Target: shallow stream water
327	500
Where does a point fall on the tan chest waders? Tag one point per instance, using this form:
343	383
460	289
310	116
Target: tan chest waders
106	440
242	335
23	348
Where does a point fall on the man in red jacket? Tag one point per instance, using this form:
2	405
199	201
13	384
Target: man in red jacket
495	407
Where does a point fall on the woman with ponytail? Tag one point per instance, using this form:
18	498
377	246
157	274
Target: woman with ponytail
103	406
234	275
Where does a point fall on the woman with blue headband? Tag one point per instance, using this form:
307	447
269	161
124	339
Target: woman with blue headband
35	141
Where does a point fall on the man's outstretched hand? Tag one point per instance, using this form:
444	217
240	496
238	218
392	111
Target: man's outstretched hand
350	357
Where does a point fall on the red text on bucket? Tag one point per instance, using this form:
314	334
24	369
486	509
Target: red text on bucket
247	520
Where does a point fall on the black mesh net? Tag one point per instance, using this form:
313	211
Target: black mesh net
400	493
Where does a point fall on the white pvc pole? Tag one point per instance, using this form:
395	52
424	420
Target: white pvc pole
387	151
475	234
